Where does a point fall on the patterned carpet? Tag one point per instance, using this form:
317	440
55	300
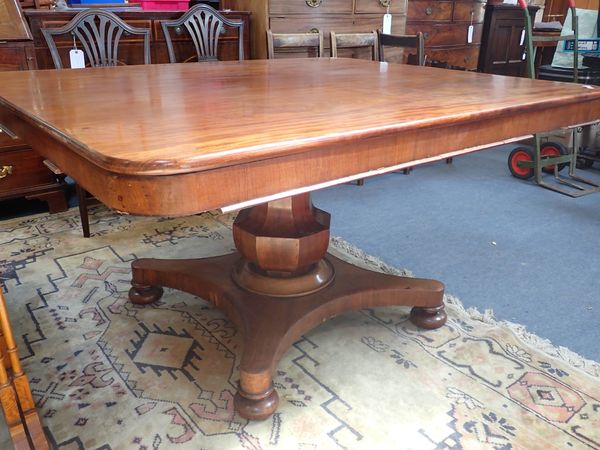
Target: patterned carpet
110	375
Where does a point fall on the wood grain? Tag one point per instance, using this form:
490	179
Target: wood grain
12	22
200	136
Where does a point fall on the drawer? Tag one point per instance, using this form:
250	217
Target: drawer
28	169
340	24
463	10
67	40
374	23
310	7
380	6
466	56
430	10
445	34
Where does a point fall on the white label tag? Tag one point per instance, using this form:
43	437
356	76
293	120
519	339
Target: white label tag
77	59
387	24
470	34
522	37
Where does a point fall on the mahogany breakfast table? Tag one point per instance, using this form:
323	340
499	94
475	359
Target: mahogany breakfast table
259	136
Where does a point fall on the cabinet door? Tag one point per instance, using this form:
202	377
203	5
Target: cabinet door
506	51
12	57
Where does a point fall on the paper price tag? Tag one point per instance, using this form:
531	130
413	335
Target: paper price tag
77	59
387	24
470	34
522	37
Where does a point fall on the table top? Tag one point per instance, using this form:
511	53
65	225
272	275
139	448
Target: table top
194	119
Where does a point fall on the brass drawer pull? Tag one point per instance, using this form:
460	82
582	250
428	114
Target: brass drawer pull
384	3
6	171
314	3
429	11
10	134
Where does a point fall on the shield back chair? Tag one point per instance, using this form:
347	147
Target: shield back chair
98	34
205	25
357	44
287	43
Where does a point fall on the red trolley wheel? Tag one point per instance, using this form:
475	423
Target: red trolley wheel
517	155
553	149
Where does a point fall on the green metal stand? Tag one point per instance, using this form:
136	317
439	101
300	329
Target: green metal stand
577	186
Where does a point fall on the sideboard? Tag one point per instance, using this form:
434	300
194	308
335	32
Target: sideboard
129	50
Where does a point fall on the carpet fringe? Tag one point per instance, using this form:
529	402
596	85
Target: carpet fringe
563	354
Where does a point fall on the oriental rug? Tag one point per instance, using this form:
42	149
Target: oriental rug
110	375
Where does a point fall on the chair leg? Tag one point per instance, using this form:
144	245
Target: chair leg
448	160
83	211
408	170
360	182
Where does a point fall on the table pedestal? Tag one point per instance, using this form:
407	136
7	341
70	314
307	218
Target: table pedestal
279	285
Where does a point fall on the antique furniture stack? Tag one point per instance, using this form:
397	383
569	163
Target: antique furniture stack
305	16
444	23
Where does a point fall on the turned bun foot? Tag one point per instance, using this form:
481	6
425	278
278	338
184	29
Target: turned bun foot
428	318
256	408
144	295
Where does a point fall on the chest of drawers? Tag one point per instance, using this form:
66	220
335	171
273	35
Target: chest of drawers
303	16
445	24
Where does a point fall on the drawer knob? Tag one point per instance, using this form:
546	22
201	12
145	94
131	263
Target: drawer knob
429	11
314	30
6	171
426	35
314	3
384	3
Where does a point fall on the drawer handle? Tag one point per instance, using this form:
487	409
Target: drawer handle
6	171
314	3
10	134
385	3
314	30
429	11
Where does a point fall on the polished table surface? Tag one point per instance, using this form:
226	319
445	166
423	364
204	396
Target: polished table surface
180	139
278	125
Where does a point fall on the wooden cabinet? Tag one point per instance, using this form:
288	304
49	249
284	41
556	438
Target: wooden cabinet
502	43
22	171
445	25
130	47
303	16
